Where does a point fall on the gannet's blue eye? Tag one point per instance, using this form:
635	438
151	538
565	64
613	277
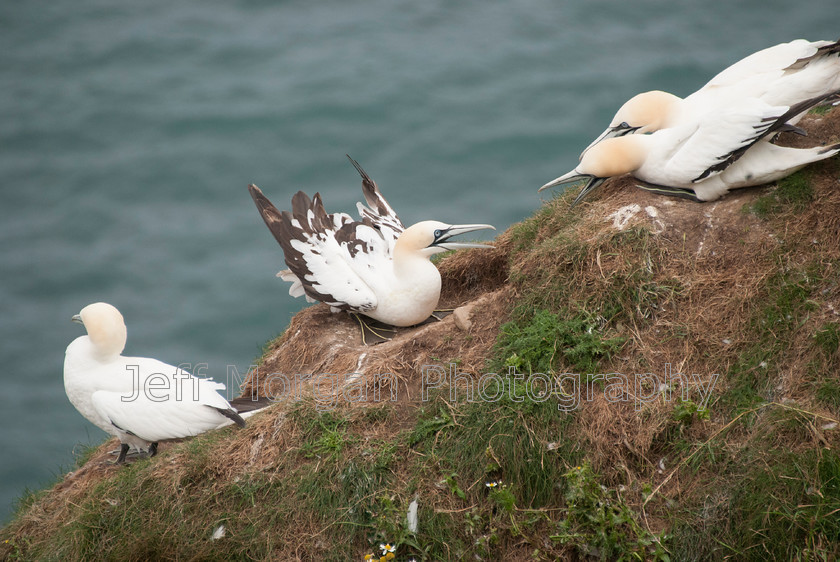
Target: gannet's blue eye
437	233
624	125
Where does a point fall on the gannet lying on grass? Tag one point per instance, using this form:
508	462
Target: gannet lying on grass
782	75
139	400
375	267
726	150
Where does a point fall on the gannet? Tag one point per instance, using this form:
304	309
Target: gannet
139	400
782	75
727	150
375	267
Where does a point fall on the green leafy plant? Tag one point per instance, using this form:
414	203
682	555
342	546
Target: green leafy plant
535	345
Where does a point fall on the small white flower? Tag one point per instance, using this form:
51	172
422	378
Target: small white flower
218	533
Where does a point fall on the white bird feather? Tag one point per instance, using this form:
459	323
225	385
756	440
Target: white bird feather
140	400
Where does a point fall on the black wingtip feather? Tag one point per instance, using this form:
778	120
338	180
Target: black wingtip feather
272	217
370	190
300	205
358	167
832	49
231	415
245	404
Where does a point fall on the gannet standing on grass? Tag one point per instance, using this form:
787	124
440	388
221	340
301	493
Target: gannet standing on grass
726	150
139	400
782	75
375	267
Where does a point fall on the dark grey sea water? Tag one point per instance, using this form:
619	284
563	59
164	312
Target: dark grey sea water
129	131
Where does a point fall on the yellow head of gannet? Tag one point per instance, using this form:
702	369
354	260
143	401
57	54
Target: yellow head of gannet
643	113
105	327
610	157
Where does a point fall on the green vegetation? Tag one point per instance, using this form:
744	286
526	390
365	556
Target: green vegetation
768	501
600	523
687	411
784	307
828	394
325	434
827	339
822	109
794	192
534	345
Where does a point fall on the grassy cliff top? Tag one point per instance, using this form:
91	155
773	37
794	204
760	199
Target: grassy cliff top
585	443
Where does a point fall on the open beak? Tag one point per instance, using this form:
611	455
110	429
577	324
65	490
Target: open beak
77	318
442	240
611	132
592	183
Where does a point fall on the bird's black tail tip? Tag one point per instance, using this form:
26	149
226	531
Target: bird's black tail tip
245	404
232	415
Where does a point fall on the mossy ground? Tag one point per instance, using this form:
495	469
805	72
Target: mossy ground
741	465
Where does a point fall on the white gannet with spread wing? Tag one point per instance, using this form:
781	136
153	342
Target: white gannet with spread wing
726	150
139	400
375	267
782	75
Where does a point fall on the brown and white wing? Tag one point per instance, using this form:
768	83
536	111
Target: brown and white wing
322	250
378	214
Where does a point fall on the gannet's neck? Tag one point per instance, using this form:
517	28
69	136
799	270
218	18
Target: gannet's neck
410	261
412	251
81	354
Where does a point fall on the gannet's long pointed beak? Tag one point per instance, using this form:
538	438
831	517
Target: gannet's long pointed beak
611	132
592	185
77	318
574	176
442	239
571	177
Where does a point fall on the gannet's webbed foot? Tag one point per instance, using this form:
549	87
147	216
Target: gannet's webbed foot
441	313
374	332
123	453
437	316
